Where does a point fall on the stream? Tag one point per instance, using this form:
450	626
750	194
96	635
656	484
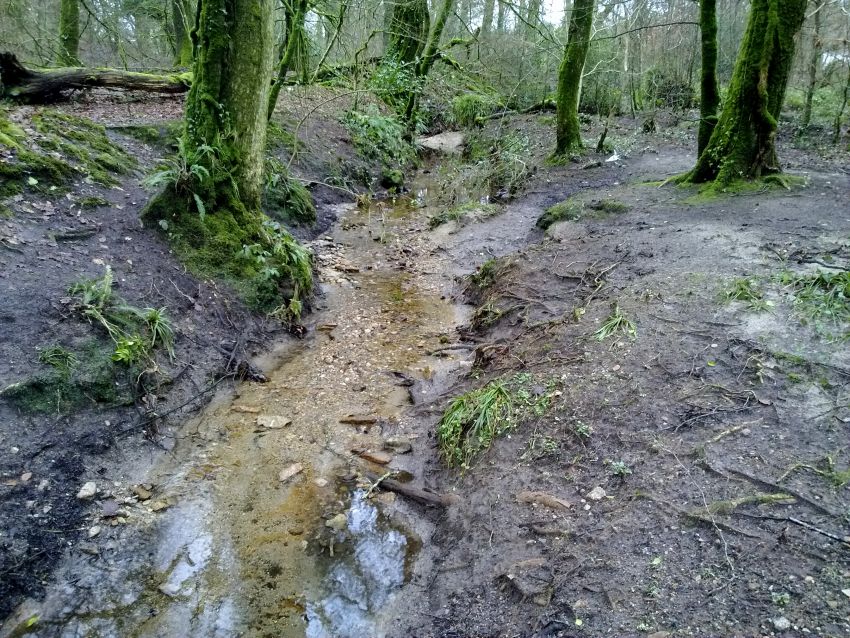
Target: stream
267	526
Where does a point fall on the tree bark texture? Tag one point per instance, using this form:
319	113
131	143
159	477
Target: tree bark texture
69	33
568	131
743	144
227	105
409	25
709	89
814	62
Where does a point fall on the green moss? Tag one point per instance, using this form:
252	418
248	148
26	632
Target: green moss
277	136
11	135
93	201
83	142
469	108
254	254
86	378
717	190
147	134
574	209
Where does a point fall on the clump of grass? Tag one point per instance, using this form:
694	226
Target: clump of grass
93	201
469	109
614	323
471	211
58	358
474	419
285	198
743	289
822	297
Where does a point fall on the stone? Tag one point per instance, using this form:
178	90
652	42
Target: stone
288	472
531	579
542	498
596	494
781	623
338	522
381	458
450	143
87	491
142	493
94	531
398	444
273	422
157	506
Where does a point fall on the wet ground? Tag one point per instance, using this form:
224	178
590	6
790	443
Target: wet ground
687	479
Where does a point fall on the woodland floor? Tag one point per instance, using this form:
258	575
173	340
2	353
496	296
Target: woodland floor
718	430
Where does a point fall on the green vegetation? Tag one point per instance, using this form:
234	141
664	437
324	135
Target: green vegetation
822	298
285	198
75	379
468	109
474	419
619	469
463	214
574	209
379	138
614	323
93	201
748	291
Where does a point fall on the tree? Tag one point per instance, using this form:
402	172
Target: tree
743	144
409	25
814	62
293	49
709	89
69	33
568	133
180	16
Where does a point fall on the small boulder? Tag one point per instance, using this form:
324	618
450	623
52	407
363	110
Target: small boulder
596	494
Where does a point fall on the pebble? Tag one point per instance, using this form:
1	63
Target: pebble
338	522
596	494
94	531
288	472
87	491
781	623
398	444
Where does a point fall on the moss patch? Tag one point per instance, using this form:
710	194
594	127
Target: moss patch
471	211
574	209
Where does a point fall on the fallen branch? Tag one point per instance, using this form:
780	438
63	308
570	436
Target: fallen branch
421	496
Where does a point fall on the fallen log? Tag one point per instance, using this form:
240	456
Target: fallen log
21	84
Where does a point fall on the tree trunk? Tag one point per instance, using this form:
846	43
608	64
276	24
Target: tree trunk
839	116
180	16
69	33
227	105
814	63
709	90
568	133
487	19
26	85
409	25
429	56
293	48
500	16
743	144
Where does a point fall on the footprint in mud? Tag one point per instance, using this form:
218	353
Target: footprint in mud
361	583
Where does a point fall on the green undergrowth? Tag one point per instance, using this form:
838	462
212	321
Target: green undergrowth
70	380
279	137
285	199
574	209
63	147
463	214
476	418
616	323
107	368
469	109
93	201
820	299
379	138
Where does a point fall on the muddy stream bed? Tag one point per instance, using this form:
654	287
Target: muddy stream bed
262	522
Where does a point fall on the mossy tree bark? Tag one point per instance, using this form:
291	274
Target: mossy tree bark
293	48
429	55
227	105
709	89
180	24
568	132
814	62
69	33
743	144
409	26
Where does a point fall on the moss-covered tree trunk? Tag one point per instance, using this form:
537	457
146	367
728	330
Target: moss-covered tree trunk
429	55
180	17
226	107
69	33
293	49
568	133
409	25
487	18
814	62
709	89
743	144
